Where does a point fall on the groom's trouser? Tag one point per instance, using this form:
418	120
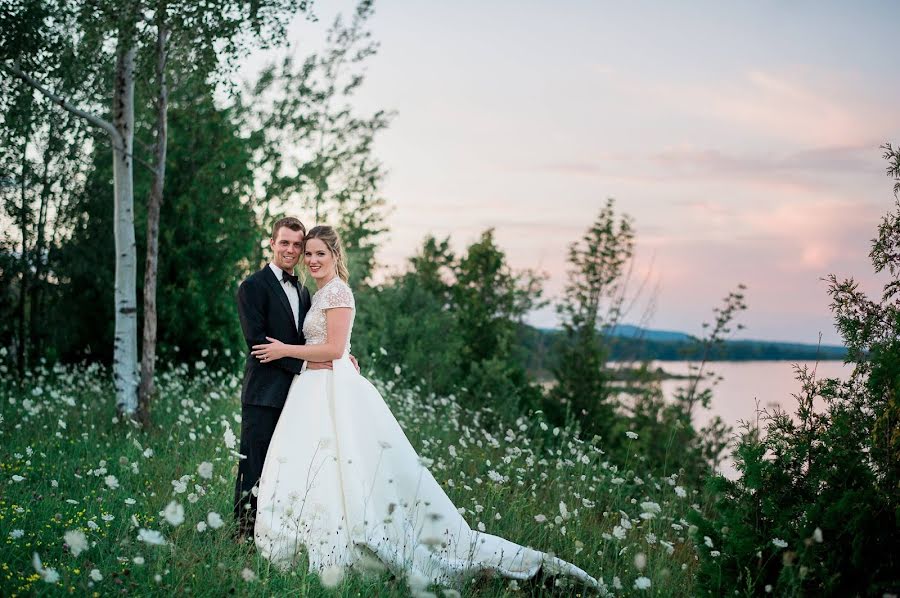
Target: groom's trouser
257	427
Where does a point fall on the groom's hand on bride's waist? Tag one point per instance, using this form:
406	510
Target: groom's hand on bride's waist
319	365
329	365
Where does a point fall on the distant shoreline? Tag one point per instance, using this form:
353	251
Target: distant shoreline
659	373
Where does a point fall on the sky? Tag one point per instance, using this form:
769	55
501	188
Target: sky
743	138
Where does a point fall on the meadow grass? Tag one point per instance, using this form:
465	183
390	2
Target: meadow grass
68	464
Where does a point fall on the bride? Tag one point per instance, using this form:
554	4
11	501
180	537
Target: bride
340	478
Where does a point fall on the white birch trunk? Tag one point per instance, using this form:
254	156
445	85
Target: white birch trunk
121	134
125	355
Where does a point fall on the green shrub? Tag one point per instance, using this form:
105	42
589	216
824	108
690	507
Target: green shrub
817	505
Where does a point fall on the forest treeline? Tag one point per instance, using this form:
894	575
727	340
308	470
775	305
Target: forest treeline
542	344
236	156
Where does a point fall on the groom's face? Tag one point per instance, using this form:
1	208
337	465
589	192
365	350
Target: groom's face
287	247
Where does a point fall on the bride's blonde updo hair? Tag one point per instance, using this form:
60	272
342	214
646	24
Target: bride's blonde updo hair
332	240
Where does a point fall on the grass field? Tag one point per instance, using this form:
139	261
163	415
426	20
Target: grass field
111	509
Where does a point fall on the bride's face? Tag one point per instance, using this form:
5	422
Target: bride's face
319	260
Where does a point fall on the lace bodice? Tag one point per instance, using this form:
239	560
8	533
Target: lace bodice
335	293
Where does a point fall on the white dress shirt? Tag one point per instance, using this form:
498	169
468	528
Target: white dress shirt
291	291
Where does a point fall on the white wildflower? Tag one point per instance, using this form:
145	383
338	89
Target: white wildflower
540	518
708	541
173	513
150	536
651	507
248	575
138	560
817	535
230	438
111	482
640	561
201	526
680	492
632	435
18	478
205	470
779	543
642	583
563	510
214	520
331	576
16	534
95	575
76	540
49	574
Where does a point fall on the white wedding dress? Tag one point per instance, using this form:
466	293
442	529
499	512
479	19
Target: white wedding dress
342	482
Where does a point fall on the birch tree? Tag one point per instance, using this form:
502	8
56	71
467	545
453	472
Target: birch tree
49	39
74	40
192	40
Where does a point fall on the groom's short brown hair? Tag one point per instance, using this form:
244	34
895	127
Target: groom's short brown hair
290	222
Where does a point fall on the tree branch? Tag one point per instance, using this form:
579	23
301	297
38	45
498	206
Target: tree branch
14	70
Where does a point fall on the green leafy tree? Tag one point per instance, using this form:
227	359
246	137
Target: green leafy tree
318	158
815	509
63	51
209	243
668	440
407	327
490	300
42	155
593	303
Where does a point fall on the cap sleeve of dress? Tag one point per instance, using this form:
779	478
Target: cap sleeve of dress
338	294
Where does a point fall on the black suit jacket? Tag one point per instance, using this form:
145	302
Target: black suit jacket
264	311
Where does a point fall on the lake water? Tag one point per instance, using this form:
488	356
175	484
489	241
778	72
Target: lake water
744	383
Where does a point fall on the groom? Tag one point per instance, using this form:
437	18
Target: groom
273	303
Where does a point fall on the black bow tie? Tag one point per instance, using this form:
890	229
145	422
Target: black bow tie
285	277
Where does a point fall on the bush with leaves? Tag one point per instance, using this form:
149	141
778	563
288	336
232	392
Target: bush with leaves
816	510
451	324
667	439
